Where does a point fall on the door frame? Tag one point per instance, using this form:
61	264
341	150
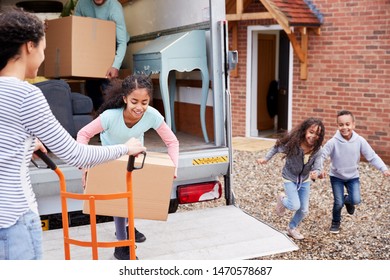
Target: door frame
251	74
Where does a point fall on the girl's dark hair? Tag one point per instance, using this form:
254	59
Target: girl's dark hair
18	27
117	89
293	139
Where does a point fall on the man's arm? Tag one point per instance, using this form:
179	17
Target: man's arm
122	36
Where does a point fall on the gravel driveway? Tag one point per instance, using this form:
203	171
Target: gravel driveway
363	236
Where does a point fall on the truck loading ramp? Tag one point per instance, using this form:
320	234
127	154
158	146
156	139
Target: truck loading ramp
221	233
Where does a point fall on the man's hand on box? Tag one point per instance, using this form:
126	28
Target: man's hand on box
112	73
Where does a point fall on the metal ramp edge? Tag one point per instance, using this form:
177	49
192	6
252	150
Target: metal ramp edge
221	233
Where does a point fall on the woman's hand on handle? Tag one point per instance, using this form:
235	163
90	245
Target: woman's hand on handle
39	146
135	147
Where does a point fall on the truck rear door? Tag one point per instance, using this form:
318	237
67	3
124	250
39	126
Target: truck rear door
223	232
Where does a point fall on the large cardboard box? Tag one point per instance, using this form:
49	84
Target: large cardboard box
79	47
151	187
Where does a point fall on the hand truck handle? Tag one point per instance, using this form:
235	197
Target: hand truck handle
46	159
130	163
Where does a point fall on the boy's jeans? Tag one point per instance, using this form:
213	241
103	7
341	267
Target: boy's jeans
23	240
353	197
297	200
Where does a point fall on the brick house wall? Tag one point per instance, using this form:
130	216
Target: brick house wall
348	68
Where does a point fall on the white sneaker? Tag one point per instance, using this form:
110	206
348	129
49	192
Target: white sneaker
280	209
294	233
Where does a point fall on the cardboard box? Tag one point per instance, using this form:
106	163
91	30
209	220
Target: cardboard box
79	47
151	187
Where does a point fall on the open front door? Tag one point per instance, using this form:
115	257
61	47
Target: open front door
284	58
265	74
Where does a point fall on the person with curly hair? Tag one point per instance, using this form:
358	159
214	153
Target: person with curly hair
302	153
126	113
25	117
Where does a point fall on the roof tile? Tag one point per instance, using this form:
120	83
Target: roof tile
298	12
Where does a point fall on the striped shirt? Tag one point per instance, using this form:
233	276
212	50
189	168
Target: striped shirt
24	116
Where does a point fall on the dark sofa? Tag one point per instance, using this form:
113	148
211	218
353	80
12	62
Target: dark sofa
73	110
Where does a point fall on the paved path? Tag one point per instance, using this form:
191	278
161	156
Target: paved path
251	144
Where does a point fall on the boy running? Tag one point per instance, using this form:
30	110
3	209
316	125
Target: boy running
345	149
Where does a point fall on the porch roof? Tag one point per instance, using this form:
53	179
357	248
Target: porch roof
294	16
288	13
297	12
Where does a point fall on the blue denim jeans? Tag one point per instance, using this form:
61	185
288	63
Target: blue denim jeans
353	195
23	240
297	199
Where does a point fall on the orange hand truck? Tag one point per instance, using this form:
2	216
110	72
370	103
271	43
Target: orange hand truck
91	198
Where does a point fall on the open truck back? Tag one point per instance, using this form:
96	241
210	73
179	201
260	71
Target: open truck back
205	158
